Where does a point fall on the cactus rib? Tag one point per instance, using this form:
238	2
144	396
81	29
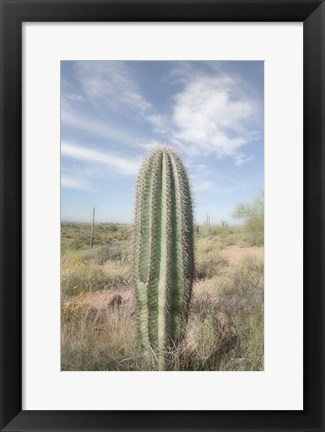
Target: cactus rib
164	258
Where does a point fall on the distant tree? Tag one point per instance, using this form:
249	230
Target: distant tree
253	216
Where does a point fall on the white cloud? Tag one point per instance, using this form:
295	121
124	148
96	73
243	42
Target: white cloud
204	185
75	97
241	158
215	115
82	122
152	144
116	163
160	123
181	73
111	82
134	99
74	183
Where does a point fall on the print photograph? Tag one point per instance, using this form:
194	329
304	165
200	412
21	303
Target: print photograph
162	215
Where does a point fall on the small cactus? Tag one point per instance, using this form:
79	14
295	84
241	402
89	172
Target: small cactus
164	252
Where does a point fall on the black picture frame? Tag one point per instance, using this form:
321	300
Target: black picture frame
13	14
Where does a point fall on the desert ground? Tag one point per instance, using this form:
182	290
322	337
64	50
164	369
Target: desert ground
225	330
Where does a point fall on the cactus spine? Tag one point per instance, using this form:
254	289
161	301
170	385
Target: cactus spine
164	255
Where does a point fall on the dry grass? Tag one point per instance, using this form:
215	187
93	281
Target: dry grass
225	327
80	276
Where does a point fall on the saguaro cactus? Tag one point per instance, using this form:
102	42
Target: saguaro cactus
164	255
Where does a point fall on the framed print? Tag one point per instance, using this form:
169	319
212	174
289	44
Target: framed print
143	144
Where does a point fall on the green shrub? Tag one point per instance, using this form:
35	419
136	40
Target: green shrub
112	252
76	236
253	217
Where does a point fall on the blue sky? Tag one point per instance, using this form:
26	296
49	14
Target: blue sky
113	112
